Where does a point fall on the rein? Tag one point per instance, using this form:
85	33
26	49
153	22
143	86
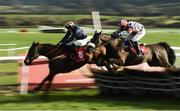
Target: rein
57	57
52	51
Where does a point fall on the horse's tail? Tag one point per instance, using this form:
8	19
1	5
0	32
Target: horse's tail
170	52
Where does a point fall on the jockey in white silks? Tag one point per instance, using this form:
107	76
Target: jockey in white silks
132	31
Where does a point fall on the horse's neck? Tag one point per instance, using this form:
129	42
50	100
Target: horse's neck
47	50
105	38
116	43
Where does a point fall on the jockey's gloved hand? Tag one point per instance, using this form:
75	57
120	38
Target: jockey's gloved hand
59	44
124	34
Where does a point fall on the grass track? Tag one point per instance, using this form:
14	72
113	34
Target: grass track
86	99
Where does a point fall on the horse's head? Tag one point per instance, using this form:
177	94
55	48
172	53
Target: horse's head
95	39
32	53
94	54
93	43
94	47
99	38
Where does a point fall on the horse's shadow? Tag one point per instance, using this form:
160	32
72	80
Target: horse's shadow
92	97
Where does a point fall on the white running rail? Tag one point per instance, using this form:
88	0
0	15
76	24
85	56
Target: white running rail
17	58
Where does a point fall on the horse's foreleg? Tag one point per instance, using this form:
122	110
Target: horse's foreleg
42	83
116	61
50	79
109	68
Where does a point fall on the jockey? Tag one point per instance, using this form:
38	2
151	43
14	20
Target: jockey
74	37
132	31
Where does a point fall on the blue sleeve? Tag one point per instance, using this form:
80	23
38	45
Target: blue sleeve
68	33
80	34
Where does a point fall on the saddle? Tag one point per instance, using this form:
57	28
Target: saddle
79	54
75	53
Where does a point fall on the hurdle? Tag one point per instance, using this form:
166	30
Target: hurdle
139	80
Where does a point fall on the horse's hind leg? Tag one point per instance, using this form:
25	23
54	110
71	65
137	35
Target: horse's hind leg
164	61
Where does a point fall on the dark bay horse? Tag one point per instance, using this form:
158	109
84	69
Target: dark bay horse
114	51
59	61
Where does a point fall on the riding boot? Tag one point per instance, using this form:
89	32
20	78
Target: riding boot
138	50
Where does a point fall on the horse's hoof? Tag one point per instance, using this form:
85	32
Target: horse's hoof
46	92
31	91
35	89
112	71
172	68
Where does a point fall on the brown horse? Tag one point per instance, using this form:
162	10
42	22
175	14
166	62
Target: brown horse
59	61
114	51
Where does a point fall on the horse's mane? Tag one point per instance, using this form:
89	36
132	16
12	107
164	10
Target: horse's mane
47	44
105	38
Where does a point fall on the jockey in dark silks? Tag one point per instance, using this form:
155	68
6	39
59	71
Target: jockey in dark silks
74	38
131	31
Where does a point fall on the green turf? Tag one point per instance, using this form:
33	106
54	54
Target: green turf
172	38
8	73
26	39
86	99
10	66
10	79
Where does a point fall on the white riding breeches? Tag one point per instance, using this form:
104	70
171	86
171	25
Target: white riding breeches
137	36
81	42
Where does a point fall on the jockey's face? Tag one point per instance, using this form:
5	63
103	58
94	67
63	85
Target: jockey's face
70	29
123	24
123	27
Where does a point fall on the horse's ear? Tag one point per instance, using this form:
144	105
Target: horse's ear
33	43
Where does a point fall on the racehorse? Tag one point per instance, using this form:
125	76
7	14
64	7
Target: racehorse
59	60
114	51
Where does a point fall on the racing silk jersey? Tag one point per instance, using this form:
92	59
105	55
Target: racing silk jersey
76	34
135	26
123	33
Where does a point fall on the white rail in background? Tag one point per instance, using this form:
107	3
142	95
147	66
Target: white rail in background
17	58
6	44
175	48
13	49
